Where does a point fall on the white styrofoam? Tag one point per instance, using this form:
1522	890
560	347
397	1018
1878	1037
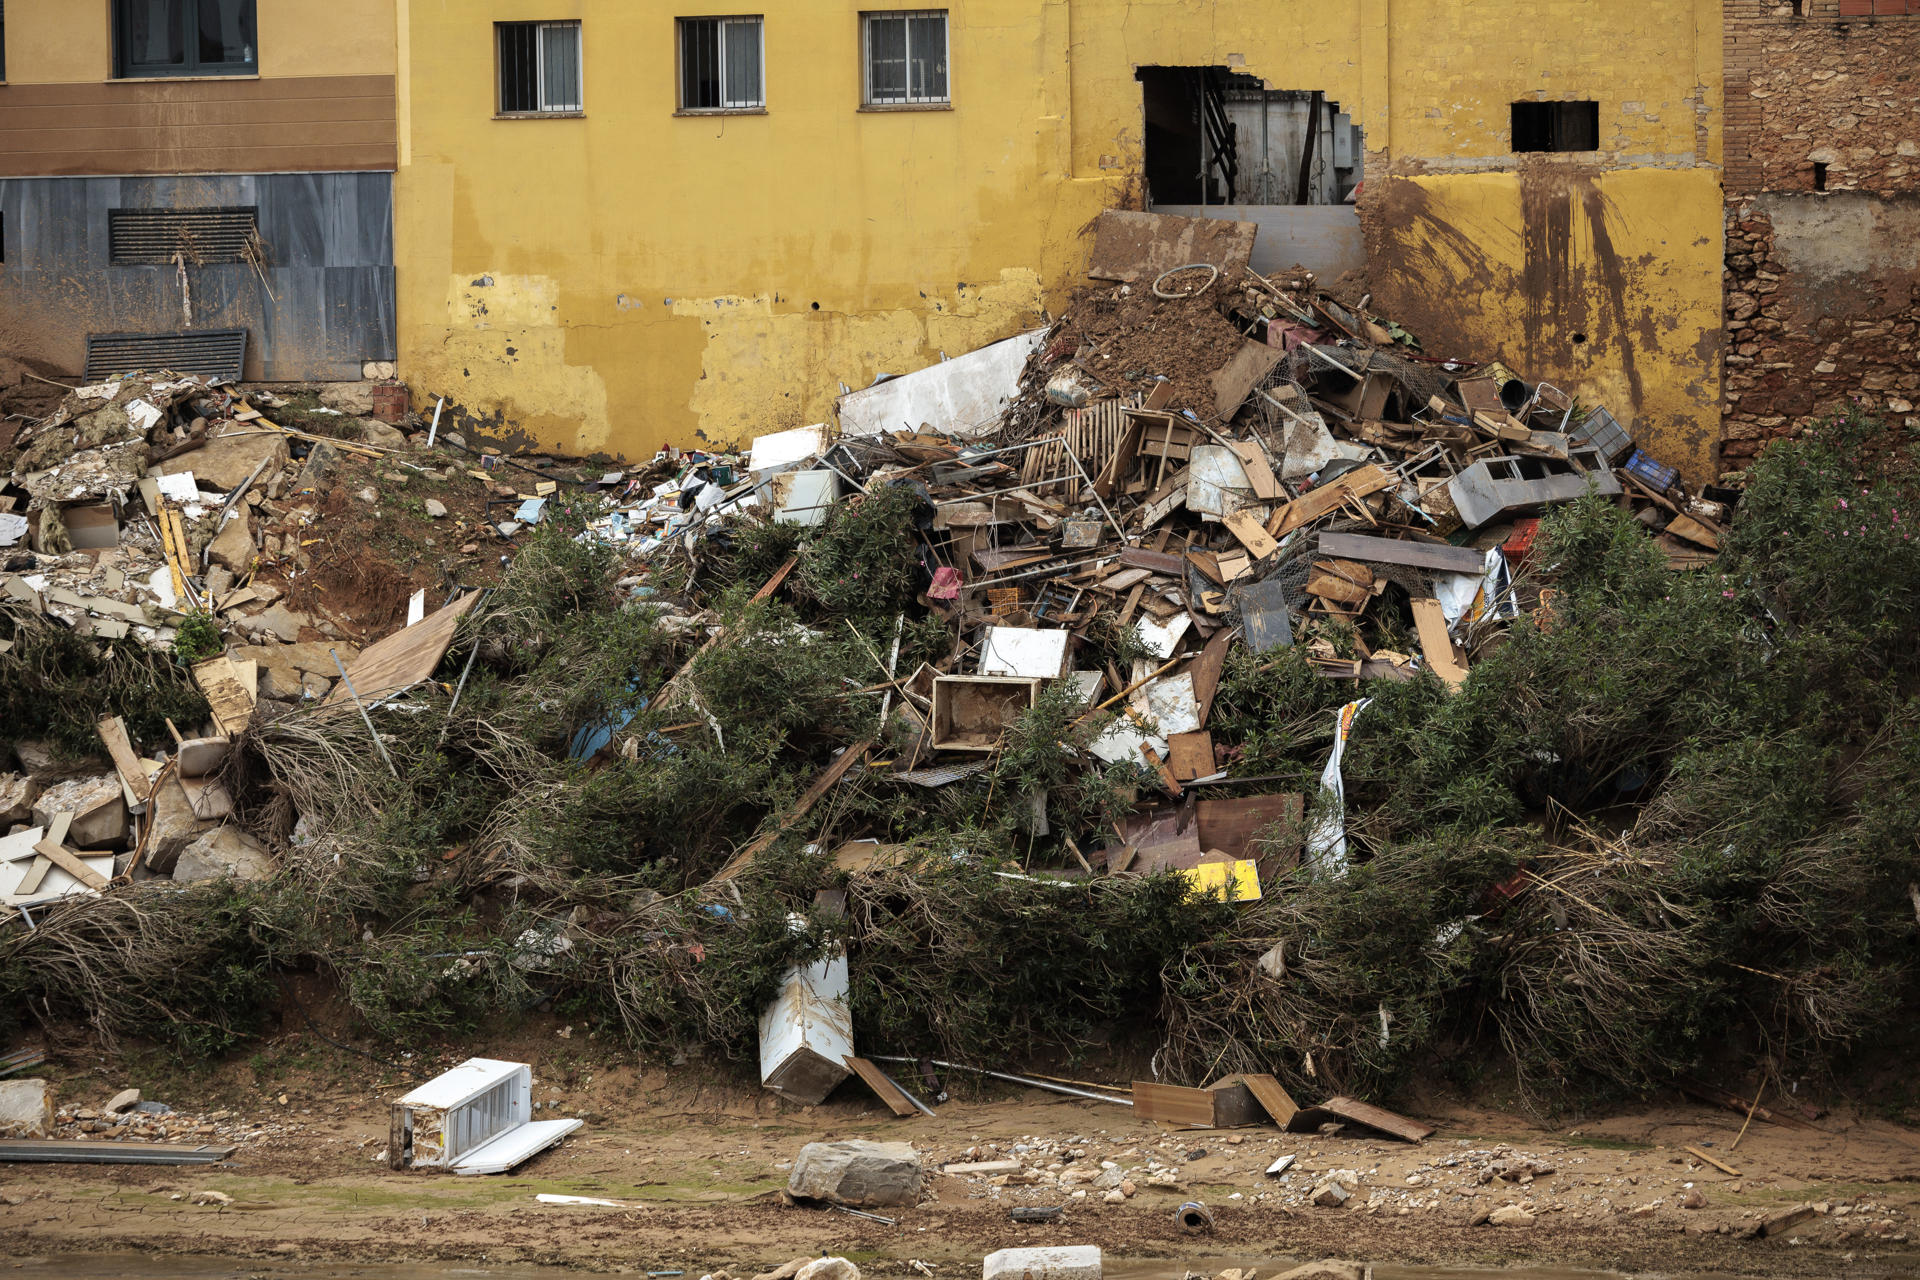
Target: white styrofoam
1030	652
784	450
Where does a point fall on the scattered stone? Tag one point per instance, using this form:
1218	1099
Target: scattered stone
368	494
323	463
224	462
1694	1198
380	434
17	794
1330	1195
281	621
786	1271
436	508
210	1197
1068	1262
233	545
122	1101
859	1174
1510	1215
98	805
1115	1196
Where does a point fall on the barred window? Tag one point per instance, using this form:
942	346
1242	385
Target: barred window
539	68
906	58
720	64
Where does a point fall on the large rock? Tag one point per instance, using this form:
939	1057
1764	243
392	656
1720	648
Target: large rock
322	464
379	434
355	399
859	1174
1328	1269
174	826
224	851
1510	1215
26	1108
98	805
830	1268
1061	1262
224	462
287	670
17	794
36	756
233	545
278	620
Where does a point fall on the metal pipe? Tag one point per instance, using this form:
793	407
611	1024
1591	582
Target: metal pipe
1001	1075
362	707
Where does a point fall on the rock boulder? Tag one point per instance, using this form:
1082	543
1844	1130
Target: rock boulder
858	1174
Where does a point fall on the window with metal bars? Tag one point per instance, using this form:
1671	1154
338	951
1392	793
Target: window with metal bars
720	64
906	58
154	237
539	68
184	38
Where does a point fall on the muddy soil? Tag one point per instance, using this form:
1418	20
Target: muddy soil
703	1154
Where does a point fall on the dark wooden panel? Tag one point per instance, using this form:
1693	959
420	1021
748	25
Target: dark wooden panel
309	123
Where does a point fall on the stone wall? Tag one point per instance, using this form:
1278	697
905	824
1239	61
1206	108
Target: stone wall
1822	155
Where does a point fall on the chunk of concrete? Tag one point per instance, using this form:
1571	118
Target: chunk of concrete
233	545
323	463
225	462
1330	1195
199	757
279	620
26	1108
857	1173
1058	1262
17	794
224	851
1510	1215
174	825
98	805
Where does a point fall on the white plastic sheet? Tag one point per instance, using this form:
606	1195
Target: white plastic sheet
1327	839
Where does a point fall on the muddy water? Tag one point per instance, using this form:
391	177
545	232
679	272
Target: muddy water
108	1266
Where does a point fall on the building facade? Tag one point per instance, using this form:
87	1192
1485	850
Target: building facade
1823	214
196	176
626	222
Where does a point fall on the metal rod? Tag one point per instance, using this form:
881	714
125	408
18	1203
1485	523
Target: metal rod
924	1108
1001	1075
355	695
1095	492
433	432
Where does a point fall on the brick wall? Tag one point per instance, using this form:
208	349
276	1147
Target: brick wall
1822	104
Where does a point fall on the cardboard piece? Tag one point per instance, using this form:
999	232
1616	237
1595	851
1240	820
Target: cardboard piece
402	659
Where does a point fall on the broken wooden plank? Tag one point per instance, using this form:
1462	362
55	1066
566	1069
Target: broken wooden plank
772	584
1688	529
1721	1165
113	732
1309	1119
821	785
404	658
884	1088
1438	647
1273	1096
1414	555
1243	526
1206	670
69	861
1235	381
1328	498
1190	756
1253	459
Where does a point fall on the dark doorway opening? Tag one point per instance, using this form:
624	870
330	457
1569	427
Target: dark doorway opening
1216	136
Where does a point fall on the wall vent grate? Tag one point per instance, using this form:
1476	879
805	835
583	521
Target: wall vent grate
216	353
153	236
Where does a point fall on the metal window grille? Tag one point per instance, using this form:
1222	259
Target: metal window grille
720	64
539	67
153	236
906	57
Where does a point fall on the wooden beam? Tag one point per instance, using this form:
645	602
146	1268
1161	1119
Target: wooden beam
888	1092
113	732
821	785
1414	555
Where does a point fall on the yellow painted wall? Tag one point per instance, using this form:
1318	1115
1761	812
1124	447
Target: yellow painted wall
632	278
70	41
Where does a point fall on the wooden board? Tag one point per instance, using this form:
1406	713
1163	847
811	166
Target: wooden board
1414	555
1206	670
1190	756
1234	1104
1252	536
1153	561
1253	459
1230	826
113	732
1329	498
887	1091
1309	1119
1172	1104
68	861
1235	381
1431	622
1702	1156
1136	247
1691	530
1273	1096
404	658
821	785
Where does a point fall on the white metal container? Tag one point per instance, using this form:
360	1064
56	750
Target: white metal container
476	1118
